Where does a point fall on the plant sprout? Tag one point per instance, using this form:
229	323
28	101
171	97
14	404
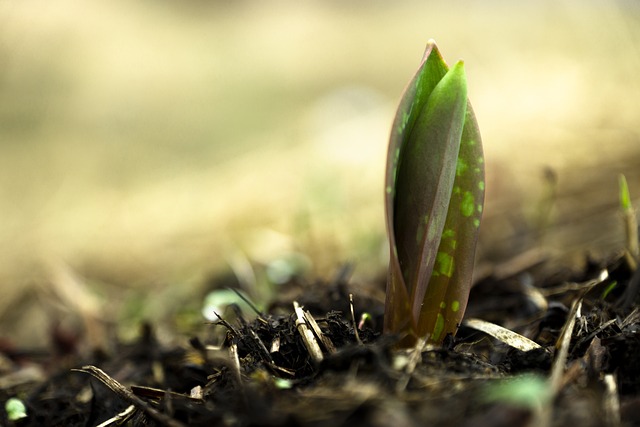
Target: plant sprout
434	196
15	409
630	224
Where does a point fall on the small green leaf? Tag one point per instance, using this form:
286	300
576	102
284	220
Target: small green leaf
15	409
610	287
450	286
625	198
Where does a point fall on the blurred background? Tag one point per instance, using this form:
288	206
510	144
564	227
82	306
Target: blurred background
148	150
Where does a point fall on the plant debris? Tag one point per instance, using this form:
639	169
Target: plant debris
303	367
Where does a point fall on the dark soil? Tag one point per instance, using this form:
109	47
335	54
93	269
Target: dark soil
362	380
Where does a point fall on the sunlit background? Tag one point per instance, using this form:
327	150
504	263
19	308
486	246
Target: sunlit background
148	148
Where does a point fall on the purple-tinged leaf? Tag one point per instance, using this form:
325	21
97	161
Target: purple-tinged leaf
432	68
433	201
448	291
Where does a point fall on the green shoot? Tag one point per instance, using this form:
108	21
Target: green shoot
610	287
15	409
434	196
632	254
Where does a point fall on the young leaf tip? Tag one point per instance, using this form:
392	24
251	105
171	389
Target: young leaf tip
431	45
625	198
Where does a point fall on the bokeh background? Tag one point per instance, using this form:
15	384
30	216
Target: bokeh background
149	149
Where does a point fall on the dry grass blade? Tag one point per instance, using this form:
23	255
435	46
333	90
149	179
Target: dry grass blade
120	418
562	346
353	319
557	371
505	335
543	418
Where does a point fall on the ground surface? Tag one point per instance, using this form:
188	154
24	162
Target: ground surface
362	379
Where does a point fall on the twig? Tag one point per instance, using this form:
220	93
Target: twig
119	418
235	364
251	305
308	338
263	348
127	395
320	336
353	319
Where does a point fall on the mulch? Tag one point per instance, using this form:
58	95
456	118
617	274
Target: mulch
261	371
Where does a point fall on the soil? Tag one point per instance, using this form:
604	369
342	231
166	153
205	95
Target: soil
260	371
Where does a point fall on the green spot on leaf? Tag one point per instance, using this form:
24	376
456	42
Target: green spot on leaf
467	205
438	328
455	306
461	166
443	305
481	185
449	233
479	208
444	264
405	120
476	223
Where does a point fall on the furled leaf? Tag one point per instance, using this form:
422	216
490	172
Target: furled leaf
448	290
424	144
425	181
433	202
414	98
